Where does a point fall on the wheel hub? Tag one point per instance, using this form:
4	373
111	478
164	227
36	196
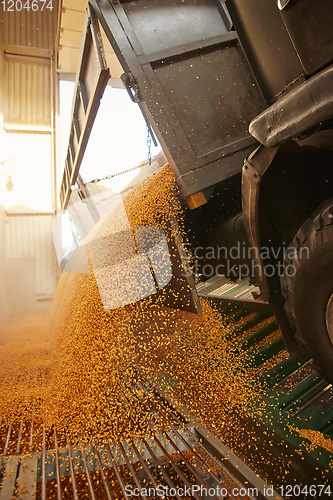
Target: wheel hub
329	317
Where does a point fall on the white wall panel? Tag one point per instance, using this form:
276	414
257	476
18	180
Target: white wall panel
28	238
30	172
27	94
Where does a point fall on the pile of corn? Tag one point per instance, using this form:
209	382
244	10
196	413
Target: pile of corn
26	365
97	353
316	439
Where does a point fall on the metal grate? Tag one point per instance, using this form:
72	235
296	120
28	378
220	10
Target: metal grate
239	293
181	457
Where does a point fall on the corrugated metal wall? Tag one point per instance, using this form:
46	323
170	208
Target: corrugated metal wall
29	238
28	39
27	256
33	29
27	90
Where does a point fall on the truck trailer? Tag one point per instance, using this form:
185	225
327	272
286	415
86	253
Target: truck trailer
239	95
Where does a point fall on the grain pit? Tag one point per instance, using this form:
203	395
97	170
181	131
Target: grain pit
96	352
84	371
101	349
79	381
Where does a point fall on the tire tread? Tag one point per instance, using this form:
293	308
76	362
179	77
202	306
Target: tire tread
313	234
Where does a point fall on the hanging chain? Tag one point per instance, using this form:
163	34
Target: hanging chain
130	169
114	175
149	145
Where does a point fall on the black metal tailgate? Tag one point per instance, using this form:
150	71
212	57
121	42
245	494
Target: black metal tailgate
184	65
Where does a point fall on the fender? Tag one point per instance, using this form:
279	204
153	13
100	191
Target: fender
281	187
304	108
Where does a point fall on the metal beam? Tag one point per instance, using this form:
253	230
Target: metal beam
89	88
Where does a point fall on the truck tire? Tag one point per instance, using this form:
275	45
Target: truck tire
307	286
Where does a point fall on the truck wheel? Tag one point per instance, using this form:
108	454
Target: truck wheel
307	286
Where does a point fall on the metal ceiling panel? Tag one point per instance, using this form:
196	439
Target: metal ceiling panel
70	38
73	20
68	58
79	5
